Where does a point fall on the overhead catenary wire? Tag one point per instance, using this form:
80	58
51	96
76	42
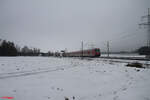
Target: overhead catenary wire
126	37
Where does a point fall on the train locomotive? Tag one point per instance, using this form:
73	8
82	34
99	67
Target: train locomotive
83	53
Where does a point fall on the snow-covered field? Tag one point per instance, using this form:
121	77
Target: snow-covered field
50	78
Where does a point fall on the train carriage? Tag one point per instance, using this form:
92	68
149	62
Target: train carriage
84	53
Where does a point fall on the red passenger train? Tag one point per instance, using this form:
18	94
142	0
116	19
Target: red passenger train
84	53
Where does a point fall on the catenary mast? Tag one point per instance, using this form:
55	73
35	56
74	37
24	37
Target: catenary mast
148	26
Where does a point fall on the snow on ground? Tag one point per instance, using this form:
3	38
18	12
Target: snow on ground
50	78
124	55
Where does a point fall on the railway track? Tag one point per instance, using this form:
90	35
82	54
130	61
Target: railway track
128	58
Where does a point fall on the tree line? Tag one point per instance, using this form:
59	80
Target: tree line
145	50
8	48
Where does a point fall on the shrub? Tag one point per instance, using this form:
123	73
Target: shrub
135	64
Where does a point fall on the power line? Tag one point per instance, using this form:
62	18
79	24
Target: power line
123	36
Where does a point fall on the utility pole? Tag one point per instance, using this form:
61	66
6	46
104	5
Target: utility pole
148	27
107	48
82	49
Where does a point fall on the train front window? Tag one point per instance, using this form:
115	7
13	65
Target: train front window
97	50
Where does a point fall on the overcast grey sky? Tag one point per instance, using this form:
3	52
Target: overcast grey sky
59	24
